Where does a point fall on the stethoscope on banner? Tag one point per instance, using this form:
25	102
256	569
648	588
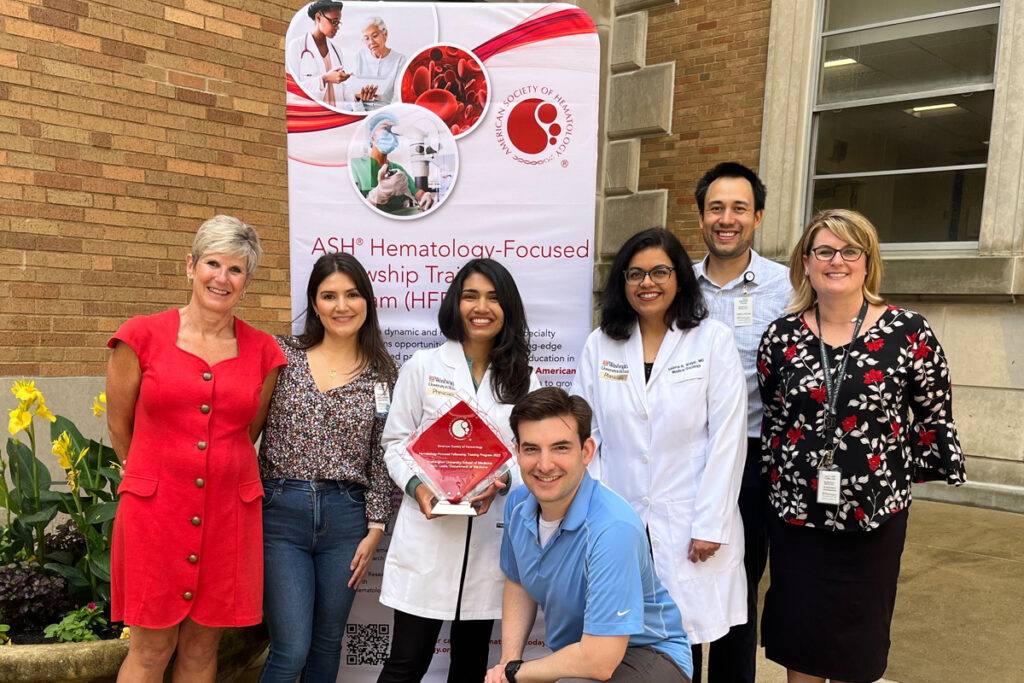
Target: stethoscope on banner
316	64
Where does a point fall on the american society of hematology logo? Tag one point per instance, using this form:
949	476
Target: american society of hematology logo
534	125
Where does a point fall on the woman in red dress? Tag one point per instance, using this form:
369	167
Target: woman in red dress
187	393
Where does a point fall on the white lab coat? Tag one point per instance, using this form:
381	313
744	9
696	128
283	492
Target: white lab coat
306	66
674	448
424	561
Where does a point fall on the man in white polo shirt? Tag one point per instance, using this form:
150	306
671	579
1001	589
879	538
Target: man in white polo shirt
579	551
747	292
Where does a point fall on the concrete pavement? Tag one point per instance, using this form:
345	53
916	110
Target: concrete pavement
960	604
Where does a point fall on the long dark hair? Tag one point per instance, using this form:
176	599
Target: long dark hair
371	343
686	311
510	355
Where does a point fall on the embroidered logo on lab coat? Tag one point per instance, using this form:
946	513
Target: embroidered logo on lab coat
616	372
440	386
691	369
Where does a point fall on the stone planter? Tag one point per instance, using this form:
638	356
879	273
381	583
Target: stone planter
98	662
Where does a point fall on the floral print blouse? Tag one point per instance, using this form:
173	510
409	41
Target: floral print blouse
333	434
894	420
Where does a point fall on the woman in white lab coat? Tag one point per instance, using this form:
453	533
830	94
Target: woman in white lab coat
443	568
669	401
314	61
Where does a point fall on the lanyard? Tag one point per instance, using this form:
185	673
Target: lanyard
834	381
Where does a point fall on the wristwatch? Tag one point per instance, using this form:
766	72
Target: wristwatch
511	668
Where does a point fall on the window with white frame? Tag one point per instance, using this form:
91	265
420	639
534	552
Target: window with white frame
902	115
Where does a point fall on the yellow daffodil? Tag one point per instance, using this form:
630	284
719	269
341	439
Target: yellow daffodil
20	420
60	449
99	404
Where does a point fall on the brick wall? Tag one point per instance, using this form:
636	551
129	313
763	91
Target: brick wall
720	48
124	125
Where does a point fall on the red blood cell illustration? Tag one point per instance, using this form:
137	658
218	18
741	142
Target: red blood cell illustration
420	80
442	103
450	82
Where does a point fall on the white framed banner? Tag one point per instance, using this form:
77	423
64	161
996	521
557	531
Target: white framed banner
430	134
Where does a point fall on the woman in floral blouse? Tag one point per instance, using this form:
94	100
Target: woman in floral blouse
857	406
328	493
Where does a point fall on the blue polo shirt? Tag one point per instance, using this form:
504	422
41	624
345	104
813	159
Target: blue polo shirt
595	575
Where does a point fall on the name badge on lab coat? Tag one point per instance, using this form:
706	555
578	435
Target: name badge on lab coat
691	369
440	386
615	372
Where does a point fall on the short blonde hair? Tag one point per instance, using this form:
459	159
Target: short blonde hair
228	235
854	229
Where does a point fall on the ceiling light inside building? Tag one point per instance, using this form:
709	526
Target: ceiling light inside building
942	109
843	61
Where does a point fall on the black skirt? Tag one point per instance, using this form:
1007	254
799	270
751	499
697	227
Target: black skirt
829	606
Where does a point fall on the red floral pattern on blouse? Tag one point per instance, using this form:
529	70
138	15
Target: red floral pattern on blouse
894	420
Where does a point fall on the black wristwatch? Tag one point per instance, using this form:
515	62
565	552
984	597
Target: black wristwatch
511	668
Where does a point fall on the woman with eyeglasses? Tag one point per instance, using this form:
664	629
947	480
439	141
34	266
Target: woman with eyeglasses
857	406
314	61
670	408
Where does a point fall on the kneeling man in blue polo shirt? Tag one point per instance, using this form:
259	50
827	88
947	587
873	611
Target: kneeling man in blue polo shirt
579	551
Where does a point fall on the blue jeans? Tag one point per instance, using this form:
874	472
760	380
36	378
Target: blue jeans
311	530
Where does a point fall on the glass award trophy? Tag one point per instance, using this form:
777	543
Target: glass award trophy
457	455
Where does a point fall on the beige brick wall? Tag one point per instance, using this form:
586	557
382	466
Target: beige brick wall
720	48
124	125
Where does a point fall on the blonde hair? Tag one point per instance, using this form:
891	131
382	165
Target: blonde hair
228	235
854	229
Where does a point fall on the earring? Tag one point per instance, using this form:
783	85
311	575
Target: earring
188	277
243	294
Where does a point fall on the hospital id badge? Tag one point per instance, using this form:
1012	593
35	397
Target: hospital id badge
743	311
830	481
381	399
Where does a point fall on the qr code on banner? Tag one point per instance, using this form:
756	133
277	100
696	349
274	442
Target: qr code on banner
367	644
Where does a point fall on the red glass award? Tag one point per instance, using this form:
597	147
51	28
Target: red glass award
457	454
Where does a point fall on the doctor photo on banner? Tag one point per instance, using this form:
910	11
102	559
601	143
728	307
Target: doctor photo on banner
669	400
351	58
314	60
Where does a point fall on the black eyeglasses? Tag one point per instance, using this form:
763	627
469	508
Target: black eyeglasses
659	275
333	22
828	253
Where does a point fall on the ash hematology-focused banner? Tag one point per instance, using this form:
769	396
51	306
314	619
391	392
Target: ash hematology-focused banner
431	134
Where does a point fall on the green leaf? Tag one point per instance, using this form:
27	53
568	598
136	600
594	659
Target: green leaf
100	565
74	575
23	458
43	516
100	512
54	497
60	556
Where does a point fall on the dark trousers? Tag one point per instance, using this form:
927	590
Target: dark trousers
412	647
732	658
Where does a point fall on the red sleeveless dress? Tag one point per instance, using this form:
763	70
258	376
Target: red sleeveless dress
188	536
